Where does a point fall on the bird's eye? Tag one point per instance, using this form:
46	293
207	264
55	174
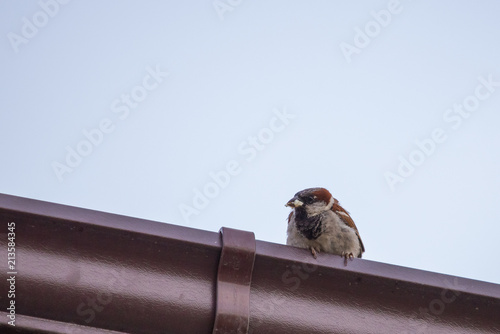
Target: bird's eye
308	199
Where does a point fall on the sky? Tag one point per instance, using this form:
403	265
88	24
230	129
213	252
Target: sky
215	113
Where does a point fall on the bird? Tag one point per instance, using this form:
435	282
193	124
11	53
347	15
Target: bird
318	222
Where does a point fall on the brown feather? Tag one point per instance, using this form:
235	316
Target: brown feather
346	218
322	195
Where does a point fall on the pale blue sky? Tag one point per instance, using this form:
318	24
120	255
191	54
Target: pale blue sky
280	95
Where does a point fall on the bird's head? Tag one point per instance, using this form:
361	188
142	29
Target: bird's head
312	200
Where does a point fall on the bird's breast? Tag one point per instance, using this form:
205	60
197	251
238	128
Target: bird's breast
309	227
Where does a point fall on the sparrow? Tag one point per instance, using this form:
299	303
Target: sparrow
318	222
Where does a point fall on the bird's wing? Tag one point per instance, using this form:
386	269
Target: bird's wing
346	218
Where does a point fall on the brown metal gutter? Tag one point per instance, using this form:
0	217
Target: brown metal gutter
83	271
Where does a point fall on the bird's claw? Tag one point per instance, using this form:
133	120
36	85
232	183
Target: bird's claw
314	252
346	256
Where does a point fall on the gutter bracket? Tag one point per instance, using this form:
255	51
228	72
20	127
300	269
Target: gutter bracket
233	281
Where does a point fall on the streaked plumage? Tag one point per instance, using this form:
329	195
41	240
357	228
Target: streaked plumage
319	223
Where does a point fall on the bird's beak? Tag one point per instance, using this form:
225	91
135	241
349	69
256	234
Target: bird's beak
294	203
